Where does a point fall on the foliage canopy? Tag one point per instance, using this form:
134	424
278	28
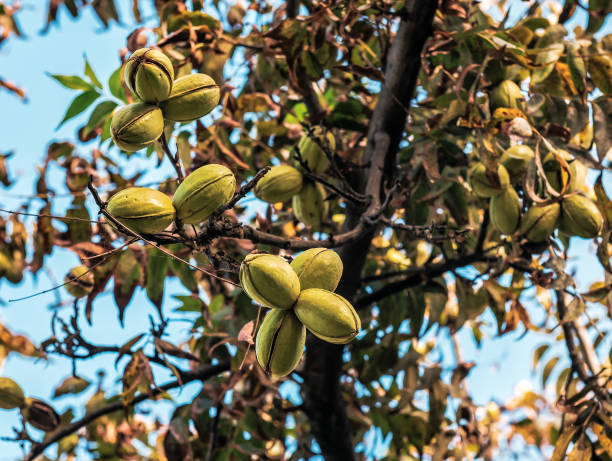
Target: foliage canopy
406	100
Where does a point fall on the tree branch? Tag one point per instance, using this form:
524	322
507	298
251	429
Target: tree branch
420	275
323	401
202	373
577	360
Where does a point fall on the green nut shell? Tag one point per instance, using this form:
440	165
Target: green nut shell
539	222
310	206
580	217
40	415
202	192
269	280
311	152
557	176
280	342
81	282
318	268
149	74
11	395
327	315
279	184
136	126
505	210
193	96
486	183
516	159
143	210
507	94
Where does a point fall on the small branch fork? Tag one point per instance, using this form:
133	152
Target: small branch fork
199	374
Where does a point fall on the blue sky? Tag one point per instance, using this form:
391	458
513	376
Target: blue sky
27	128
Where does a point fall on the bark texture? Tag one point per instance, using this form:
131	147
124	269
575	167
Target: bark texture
323	402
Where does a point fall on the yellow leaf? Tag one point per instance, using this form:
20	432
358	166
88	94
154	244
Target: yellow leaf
581	451
563	442
602	436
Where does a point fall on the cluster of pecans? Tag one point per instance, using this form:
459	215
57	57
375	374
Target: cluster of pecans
150	76
149	211
285	182
301	297
301	294
572	212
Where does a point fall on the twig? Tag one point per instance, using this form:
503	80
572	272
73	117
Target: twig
590	356
42	215
244	190
111	252
14	300
482	235
418	276
349	194
201	373
174	159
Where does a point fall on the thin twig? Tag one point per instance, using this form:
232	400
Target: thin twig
42	215
72	280
174	159
244	190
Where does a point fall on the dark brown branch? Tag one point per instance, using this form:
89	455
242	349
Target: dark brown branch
292	8
427	232
322	396
214	425
422	274
202	373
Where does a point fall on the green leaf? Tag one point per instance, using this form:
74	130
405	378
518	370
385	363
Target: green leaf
106	133
562	380
99	114
157	269
91	74
115	86
191	303
78	105
127	276
78	231
576	67
181	270
216	304
74	82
